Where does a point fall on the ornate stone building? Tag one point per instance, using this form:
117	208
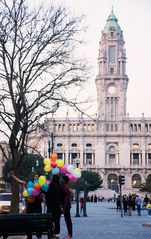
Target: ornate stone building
114	143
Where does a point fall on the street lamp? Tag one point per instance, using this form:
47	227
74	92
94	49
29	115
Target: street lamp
49	147
77	162
50	144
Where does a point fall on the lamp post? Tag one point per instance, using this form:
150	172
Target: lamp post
50	144
77	162
85	197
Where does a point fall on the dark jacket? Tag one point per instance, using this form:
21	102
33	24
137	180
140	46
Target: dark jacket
54	197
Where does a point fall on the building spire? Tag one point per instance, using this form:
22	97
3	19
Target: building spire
112	12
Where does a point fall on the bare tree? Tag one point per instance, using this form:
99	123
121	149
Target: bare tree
37	69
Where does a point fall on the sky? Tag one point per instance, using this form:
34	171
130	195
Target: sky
134	17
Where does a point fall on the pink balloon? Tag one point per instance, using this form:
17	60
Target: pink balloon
73	179
53	164
69	175
63	169
35	192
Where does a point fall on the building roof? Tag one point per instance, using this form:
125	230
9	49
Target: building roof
112	24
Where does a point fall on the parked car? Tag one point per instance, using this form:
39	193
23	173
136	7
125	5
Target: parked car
5	202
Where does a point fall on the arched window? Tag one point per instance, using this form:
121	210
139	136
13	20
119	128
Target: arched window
136	181
59	145
135	146
88	145
112	181
74	145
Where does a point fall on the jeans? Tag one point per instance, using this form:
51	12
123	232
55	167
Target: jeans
139	210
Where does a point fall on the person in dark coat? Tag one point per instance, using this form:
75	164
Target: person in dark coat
54	201
67	205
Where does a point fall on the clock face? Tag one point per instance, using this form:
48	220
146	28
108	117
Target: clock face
112	89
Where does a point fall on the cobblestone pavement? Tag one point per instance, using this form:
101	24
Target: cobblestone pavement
103	222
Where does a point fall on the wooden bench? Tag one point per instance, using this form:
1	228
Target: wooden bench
21	224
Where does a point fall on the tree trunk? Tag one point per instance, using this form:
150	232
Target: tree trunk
15	197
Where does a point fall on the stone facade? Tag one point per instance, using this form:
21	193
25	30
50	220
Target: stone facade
113	144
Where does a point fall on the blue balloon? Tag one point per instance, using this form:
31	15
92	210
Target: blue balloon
30	184
30	191
45	187
55	171
36	181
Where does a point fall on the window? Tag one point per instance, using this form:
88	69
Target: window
116	128
111	70
136	181
111	54
59	155
149	158
59	145
88	158
73	157
112	181
74	127
136	158
135	146
112	158
107	127
74	145
88	145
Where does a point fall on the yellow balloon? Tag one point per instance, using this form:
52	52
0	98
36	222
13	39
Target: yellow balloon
42	180
77	170
47	168
46	161
60	163
25	194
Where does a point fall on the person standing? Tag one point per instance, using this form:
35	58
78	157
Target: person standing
33	204
67	206
148	207
81	205
130	205
125	204
54	201
145	201
138	202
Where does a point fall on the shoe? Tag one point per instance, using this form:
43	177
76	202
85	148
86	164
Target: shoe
68	237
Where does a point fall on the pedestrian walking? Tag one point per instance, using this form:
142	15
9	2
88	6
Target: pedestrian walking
81	205
118	203
54	201
125	204
138	202
145	201
67	206
130	205
148	207
33	204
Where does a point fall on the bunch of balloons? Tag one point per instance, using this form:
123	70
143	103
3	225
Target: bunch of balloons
57	166
53	164
34	188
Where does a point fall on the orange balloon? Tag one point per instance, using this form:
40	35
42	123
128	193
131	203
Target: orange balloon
37	186
53	157
31	199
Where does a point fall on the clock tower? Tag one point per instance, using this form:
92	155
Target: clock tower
112	81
